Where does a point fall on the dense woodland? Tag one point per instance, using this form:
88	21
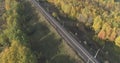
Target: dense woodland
27	37
16	35
14	45
102	16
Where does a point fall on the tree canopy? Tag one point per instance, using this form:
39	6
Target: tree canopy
105	15
17	49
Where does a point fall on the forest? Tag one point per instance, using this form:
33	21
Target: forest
102	16
27	37
13	40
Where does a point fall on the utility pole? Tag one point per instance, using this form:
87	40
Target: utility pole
96	53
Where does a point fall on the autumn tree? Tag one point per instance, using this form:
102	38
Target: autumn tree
97	24
17	53
117	41
18	50
102	34
7	4
113	35
105	15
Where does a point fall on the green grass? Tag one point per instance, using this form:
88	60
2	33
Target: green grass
48	45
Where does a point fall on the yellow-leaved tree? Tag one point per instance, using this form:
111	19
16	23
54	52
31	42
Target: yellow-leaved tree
17	50
17	53
97	24
117	41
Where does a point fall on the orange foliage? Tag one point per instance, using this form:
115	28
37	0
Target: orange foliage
102	34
